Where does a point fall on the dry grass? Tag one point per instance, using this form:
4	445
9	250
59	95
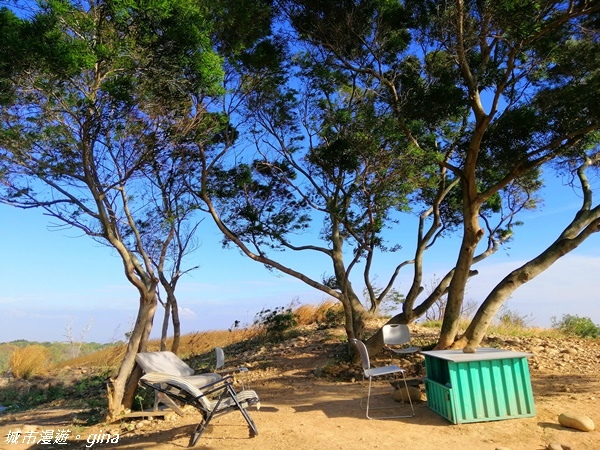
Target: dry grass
515	330
190	345
329	312
205	341
321	313
30	361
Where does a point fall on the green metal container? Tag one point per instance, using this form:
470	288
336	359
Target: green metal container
490	384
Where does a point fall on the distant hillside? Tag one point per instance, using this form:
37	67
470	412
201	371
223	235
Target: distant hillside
59	351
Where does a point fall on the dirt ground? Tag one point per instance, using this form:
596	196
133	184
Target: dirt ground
300	410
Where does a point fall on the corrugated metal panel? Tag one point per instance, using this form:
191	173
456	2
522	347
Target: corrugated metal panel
482	390
439	400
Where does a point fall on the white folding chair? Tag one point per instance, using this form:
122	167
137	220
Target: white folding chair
372	372
398	335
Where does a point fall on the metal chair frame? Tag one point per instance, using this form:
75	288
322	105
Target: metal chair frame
372	372
212	400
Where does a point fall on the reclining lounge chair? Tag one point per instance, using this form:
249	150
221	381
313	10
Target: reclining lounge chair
169	363
212	400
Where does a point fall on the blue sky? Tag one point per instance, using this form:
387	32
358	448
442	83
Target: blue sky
53	279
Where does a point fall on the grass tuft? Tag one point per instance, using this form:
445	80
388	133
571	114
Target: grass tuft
30	361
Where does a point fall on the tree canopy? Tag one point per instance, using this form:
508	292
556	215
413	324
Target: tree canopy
304	126
479	96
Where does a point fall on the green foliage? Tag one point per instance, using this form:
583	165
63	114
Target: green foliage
511	319
144	399
576	326
332	318
276	323
89	390
19	397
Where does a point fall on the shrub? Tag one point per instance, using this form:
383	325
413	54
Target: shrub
276	322
27	362
576	326
333	317
513	320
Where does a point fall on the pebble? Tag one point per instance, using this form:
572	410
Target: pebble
557	446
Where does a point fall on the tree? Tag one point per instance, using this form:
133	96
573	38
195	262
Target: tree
349	173
334	141
585	223
168	232
84	117
496	89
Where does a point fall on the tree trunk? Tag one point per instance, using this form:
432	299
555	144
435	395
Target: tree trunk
121	389
456	290
176	326
165	326
355	316
570	239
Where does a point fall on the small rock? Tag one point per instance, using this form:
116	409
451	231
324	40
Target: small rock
415	394
569	351
469	349
557	446
502	448
577	421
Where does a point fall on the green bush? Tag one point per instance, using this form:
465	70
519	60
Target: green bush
513	319
332	318
276	322
576	326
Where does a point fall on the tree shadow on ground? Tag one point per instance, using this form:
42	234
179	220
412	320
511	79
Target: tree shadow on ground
560	384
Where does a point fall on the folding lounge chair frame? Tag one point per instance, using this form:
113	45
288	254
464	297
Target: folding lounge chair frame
169	363
220	364
214	399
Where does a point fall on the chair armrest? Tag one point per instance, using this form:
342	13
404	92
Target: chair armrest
236	370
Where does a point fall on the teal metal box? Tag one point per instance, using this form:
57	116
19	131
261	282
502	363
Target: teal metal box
490	384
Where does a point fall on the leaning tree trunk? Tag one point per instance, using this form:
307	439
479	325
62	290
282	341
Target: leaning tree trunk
121	389
586	223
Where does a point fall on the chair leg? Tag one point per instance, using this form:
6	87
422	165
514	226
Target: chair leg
369	398
197	433
251	425
368	406
206	418
408	395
